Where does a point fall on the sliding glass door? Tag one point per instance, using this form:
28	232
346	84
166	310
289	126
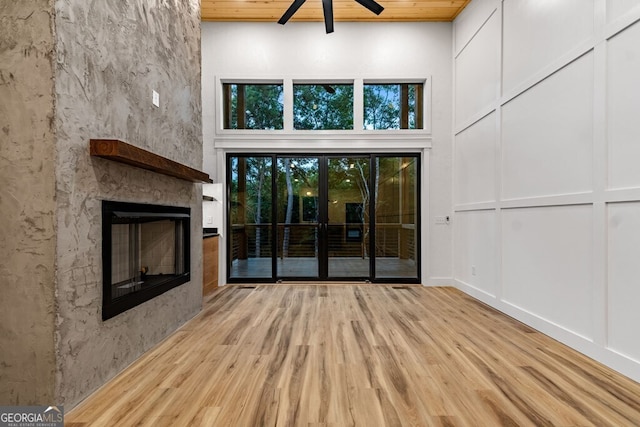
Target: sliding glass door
250	217
396	217
298	220
348	225
323	217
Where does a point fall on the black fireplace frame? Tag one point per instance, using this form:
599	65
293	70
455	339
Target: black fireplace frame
111	307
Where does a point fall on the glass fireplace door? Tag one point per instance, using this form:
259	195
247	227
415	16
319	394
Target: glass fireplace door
145	252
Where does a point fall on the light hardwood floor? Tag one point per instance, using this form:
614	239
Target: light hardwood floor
368	355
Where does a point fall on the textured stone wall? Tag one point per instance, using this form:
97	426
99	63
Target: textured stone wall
110	55
27	205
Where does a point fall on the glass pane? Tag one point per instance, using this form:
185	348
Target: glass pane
298	238
323	106
250	217
396	214
253	106
348	210
393	106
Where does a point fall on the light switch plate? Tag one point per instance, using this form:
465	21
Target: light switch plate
156	99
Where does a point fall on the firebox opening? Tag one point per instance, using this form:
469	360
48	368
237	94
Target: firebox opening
145	252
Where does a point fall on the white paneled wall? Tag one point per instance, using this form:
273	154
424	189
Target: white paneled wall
475	246
624	269
477	73
546	171
623	108
476	14
537	33
547	139
475	156
618	8
553	281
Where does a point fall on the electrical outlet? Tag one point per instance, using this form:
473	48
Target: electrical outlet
441	220
155	99
473	270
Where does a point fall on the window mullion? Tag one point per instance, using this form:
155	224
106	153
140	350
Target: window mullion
227	110
288	104
358	104
242	110
404	106
419	107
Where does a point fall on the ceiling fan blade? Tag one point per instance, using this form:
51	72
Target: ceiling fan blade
372	6
327	8
289	13
329	89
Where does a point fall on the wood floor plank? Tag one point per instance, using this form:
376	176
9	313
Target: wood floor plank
367	355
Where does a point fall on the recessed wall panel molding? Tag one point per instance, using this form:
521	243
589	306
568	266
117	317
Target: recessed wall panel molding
478	72
547	256
475	250
537	33
547	135
623	289
623	105
475	162
471	19
619	8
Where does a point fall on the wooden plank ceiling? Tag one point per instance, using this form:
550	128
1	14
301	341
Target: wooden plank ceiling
344	10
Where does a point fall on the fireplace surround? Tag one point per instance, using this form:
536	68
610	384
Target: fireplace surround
145	252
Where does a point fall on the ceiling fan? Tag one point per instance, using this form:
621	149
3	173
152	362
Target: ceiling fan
327	8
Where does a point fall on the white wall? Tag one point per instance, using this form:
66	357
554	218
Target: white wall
354	51
546	177
213	210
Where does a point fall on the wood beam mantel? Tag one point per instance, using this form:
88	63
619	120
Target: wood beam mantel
122	152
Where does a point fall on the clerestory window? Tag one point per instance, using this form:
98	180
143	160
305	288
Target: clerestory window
324	105
253	106
393	106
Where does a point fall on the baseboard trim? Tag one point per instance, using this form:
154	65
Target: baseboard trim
614	360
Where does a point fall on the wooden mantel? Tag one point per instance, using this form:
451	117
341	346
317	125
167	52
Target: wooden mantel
122	152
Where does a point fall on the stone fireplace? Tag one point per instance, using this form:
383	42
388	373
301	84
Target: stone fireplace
145	252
